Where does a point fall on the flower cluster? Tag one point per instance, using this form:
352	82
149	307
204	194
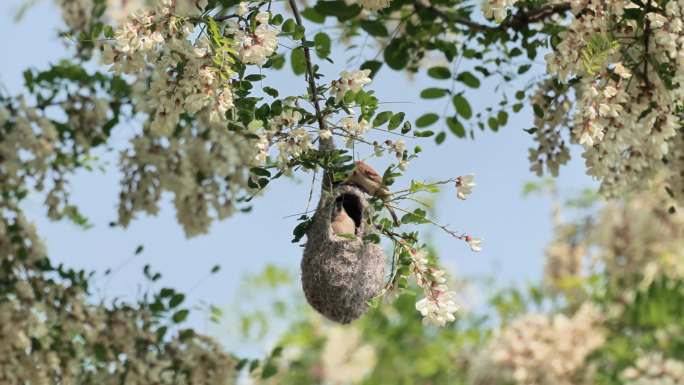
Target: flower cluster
640	237
654	369
205	165
349	81
52	334
553	106
549	350
77	14
256	46
371	5
439	304
497	9
345	358
183	77
628	95
26	148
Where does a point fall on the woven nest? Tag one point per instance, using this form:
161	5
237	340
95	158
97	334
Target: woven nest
340	275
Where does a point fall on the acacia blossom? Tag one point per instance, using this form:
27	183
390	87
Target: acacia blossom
464	185
254	47
52	334
439	305
497	9
349	81
628	122
371	5
204	165
345	358
538	349
654	369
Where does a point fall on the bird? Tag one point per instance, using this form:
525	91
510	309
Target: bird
368	180
341	222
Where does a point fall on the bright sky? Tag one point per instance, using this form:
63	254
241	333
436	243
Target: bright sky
515	229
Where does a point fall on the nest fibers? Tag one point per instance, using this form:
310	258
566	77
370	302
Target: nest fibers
340	275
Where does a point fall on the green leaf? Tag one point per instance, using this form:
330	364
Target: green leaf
462	106
312	15
439	73
322	45
269	370
423	134
427	119
468	79
396	54
396	120
373	66
493	124
271	91
538	111
433	93
524	68
406	127
276	20
418	216
374	28
502	118
382	118
456	127
289	26
439	139
180	315
338	9
176	300
298	61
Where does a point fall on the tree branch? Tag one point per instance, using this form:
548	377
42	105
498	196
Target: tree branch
516	22
323	144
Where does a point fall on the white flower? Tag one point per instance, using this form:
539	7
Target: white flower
621	71
349	81
255	48
325	134
464	185
497	9
375	5
263	17
242	9
438	310
474	243
346	359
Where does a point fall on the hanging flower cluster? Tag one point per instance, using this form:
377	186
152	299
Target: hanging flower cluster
630	77
439	304
256	46
497	9
552	106
371	5
542	350
51	334
654	369
345	358
204	164
349	81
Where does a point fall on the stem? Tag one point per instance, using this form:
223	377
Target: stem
647	27
516	22
323	144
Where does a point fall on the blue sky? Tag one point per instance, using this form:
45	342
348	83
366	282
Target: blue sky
515	229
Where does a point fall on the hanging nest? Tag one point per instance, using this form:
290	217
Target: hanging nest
340	275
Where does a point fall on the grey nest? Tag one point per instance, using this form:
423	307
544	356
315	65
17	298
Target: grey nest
340	275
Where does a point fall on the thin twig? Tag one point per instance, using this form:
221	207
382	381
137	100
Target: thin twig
324	144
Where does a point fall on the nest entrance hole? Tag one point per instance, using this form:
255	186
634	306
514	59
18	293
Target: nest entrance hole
353	206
